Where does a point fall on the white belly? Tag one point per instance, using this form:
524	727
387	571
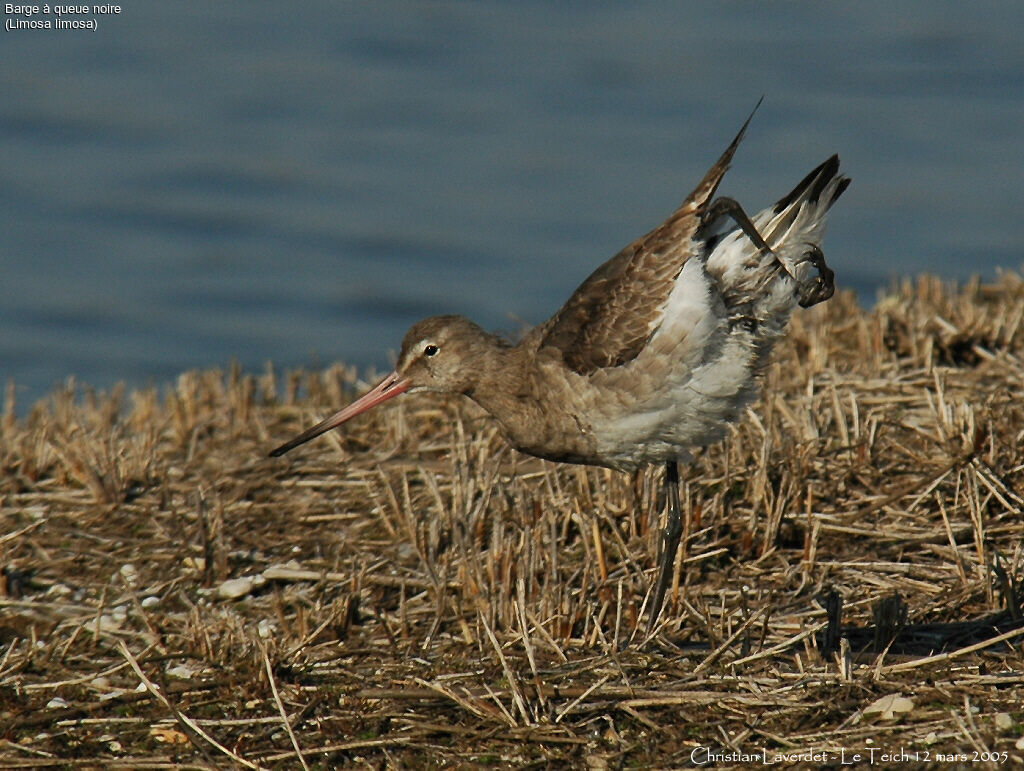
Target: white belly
696	375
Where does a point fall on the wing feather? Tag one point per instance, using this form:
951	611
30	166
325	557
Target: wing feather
609	319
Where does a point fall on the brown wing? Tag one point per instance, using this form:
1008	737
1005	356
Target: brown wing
612	314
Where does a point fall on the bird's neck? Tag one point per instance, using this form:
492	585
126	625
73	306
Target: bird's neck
499	381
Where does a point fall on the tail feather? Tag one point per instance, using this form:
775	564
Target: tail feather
813	184
804	202
750	280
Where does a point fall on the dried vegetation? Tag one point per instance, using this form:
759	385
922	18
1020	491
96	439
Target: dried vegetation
410	592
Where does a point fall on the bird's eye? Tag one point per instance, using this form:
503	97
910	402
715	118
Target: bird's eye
430	350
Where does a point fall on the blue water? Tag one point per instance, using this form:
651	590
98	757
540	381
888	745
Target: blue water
198	182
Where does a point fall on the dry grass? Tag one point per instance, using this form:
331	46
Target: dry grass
422	595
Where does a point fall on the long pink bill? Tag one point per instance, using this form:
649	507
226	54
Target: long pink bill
387	388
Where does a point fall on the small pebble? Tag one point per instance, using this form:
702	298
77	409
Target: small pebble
181	671
57	703
110	623
150	601
234	588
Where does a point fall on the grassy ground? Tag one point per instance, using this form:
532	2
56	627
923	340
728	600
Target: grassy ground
410	592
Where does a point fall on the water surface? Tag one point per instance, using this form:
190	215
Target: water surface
199	182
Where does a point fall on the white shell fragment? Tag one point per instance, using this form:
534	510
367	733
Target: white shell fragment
890	707
234	588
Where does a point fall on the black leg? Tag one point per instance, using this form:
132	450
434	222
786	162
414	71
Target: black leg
817	289
669	543
730	207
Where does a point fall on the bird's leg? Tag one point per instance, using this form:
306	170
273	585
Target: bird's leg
730	207
669	542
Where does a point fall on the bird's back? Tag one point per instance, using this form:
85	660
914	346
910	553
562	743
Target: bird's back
660	348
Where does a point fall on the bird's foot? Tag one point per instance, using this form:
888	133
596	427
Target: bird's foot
820	285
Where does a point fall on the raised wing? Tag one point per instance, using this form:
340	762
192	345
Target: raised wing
611	316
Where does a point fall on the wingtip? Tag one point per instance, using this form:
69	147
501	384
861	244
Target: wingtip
741	133
705	191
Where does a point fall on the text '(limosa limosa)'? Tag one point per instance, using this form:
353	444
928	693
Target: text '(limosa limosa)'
653	355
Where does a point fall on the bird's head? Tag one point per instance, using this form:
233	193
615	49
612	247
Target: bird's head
441	353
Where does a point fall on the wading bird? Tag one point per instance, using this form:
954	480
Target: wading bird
653	355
